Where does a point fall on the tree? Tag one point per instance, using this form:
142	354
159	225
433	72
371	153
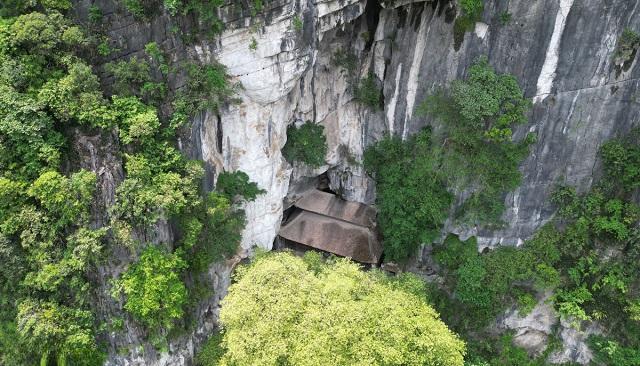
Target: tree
306	143
56	330
288	310
154	292
238	184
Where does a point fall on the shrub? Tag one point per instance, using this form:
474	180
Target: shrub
297	24
368	93
211	352
352	317
136	8
218	227
95	14
238	184
306	144
154	292
58	332
610	352
345	60
411	197
207	87
479	114
627	47
466	21
505	17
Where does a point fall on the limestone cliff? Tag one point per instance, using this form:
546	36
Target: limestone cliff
559	50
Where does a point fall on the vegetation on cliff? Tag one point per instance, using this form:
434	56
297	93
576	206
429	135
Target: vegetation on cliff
472	151
51	240
306	144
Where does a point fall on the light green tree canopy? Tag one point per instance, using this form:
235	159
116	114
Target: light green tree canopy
287	310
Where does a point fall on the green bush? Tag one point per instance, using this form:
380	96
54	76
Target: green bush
306	144
154	292
609	352
627	46
212	351
95	14
297	24
479	114
466	21
345	60
219	230
47	246
57	332
368	93
505	17
207	87
237	184
411	197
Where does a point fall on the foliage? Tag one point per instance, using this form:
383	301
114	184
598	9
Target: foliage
28	141
95	14
622	161
47	245
154	292
609	352
254	44
479	115
279	303
211	352
306	144
151	192
52	329
345	60
411	197
207	87
473	151
237	184
466	21
206	11
627	46
212	232
133	77
298	25
136	7
505	17
368	93
484	285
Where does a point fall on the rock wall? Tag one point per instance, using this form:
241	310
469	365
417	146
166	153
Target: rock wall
560	51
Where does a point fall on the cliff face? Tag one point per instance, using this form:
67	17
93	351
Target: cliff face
561	51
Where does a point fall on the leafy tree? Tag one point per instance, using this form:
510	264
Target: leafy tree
306	144
213	232
283	310
208	87
58	332
28	143
479	114
238	184
66	198
154	292
137	121
411	197
149	193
